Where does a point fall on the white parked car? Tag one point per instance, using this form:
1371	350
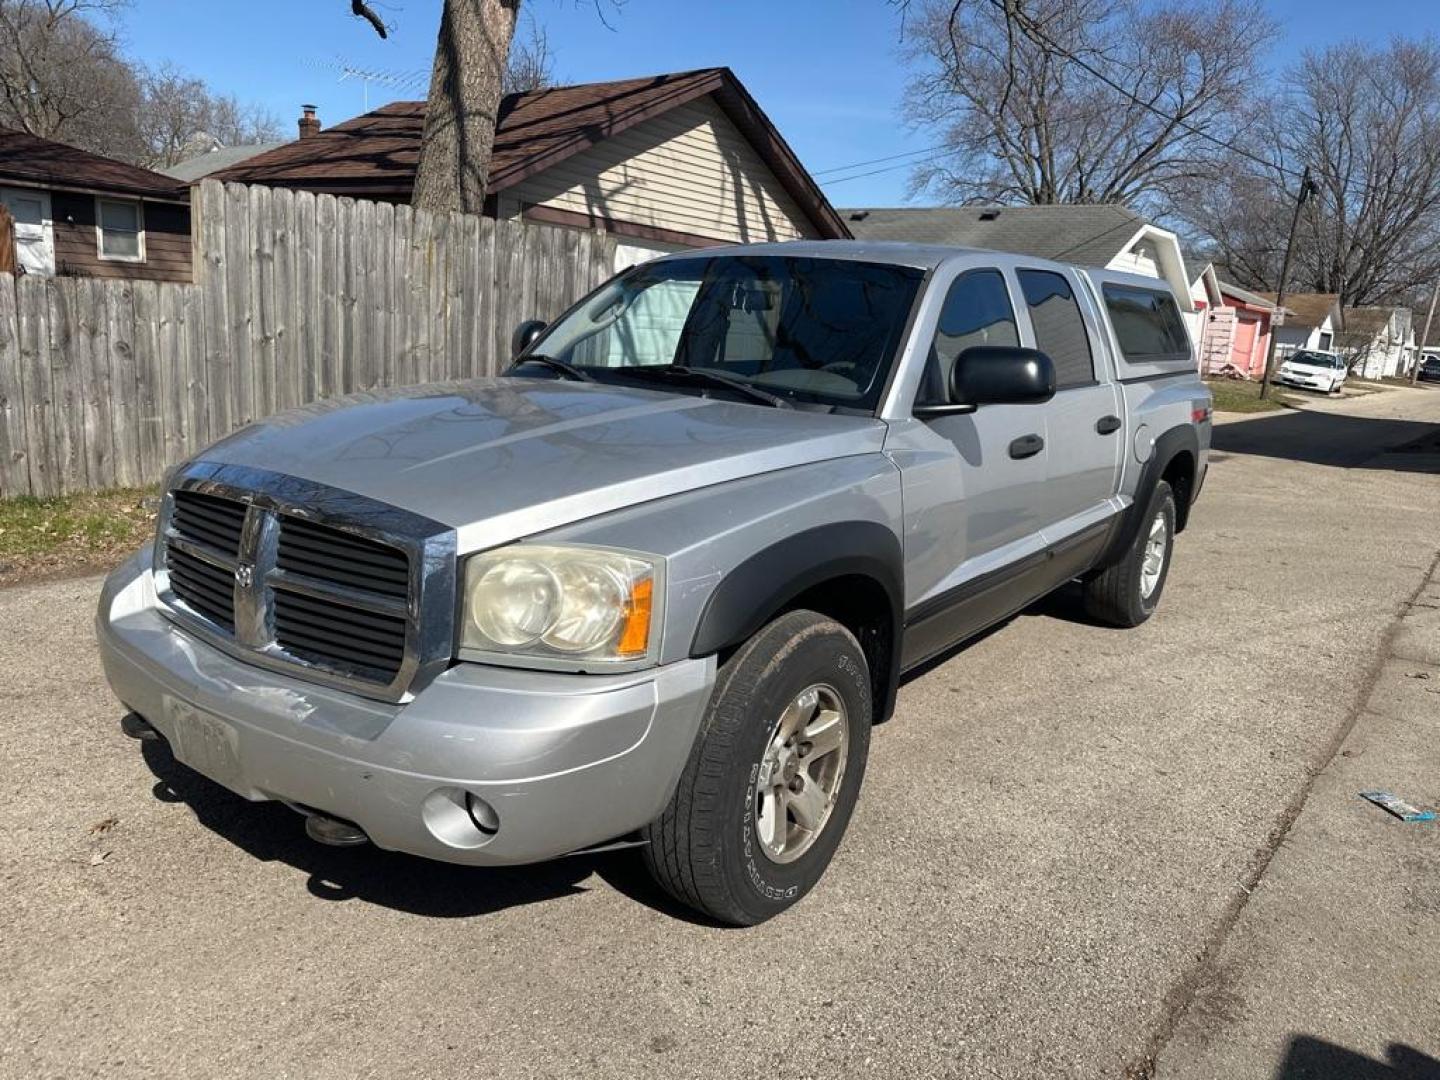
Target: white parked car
1312	369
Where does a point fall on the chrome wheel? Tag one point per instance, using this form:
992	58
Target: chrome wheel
1154	563
800	774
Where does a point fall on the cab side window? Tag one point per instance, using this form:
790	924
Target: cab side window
977	311
1059	327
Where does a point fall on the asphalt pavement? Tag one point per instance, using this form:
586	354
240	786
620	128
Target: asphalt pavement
1080	852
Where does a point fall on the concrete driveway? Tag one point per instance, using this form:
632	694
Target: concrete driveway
1046	876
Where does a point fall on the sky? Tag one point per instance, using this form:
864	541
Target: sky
827	72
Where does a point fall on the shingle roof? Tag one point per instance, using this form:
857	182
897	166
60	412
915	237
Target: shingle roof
1088	234
29	160
202	165
1308	309
376	154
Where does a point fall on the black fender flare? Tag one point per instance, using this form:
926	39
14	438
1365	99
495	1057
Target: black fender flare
765	583
1176	441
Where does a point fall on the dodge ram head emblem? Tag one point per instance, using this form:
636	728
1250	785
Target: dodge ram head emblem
244	575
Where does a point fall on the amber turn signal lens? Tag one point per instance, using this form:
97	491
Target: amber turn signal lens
635	637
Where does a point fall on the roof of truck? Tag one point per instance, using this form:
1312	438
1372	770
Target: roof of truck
899	253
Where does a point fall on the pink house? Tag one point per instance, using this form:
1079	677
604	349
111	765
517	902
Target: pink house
1231	326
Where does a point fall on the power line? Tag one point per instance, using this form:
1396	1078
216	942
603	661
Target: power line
876	161
877	172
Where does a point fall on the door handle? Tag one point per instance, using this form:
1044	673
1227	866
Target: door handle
1026	446
1107	425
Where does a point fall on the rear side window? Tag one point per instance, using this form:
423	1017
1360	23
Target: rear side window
977	311
1147	324
1059	327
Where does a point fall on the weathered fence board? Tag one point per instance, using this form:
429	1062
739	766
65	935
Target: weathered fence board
296	297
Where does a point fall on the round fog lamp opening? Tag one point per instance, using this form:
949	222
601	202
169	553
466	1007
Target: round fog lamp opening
515	601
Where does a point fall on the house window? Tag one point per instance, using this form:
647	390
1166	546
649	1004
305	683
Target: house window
120	229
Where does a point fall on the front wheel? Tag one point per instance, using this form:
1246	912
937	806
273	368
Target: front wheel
773	776
1127	593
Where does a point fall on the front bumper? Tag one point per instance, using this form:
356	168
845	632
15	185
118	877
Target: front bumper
566	761
1306	382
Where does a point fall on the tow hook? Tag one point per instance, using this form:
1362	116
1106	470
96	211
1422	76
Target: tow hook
137	727
333	831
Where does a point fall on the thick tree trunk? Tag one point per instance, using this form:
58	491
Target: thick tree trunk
464	104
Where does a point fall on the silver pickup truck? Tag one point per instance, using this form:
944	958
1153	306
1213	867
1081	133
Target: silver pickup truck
656	584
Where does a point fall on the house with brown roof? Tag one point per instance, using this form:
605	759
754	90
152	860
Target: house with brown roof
1231	326
80	213
664	163
1309	321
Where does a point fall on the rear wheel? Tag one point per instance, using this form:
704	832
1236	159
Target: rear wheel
1127	593
774	774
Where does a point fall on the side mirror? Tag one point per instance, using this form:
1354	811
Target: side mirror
1001	375
524	336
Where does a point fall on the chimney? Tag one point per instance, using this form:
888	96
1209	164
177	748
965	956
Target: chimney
309	123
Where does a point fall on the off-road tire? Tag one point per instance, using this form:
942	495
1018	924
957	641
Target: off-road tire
1114	596
703	849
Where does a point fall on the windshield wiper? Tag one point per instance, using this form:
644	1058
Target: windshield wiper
570	371
667	372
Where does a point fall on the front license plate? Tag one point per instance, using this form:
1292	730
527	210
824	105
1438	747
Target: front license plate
204	741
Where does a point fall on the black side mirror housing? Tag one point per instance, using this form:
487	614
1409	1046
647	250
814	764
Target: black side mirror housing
524	336
1001	375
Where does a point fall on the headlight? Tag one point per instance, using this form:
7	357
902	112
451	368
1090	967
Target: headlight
562	603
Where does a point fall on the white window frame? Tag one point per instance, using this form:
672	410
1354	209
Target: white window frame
139	205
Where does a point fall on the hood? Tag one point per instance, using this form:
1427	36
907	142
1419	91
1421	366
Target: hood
498	459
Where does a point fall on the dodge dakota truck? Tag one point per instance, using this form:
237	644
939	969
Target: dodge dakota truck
656	584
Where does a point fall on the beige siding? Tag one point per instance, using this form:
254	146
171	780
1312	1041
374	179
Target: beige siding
689	170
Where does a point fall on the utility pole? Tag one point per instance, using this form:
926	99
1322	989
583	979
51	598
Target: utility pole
1308	187
1424	338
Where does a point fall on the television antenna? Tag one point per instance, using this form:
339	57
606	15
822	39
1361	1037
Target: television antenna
395	80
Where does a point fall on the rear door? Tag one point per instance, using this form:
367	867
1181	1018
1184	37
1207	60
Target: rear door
1084	419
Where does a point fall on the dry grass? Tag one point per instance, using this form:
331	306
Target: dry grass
1237	395
42	538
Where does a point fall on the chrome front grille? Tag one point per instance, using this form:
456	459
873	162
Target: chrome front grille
298	576
340	599
343	559
203	553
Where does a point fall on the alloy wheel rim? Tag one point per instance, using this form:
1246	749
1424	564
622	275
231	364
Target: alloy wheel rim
799	779
1154	563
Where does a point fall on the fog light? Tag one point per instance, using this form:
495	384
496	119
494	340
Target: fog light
482	814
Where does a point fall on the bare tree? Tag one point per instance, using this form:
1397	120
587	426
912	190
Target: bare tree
1076	101
531	65
181	116
463	105
62	76
1366	121
467	83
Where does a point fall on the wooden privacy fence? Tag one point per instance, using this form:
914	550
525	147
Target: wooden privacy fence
297	296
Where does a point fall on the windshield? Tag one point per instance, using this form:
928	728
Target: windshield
808	329
1314	359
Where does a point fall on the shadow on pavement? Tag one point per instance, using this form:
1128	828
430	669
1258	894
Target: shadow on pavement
1325	438
1309	1058
272	832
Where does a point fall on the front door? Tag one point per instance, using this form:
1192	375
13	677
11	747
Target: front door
34	236
974	484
